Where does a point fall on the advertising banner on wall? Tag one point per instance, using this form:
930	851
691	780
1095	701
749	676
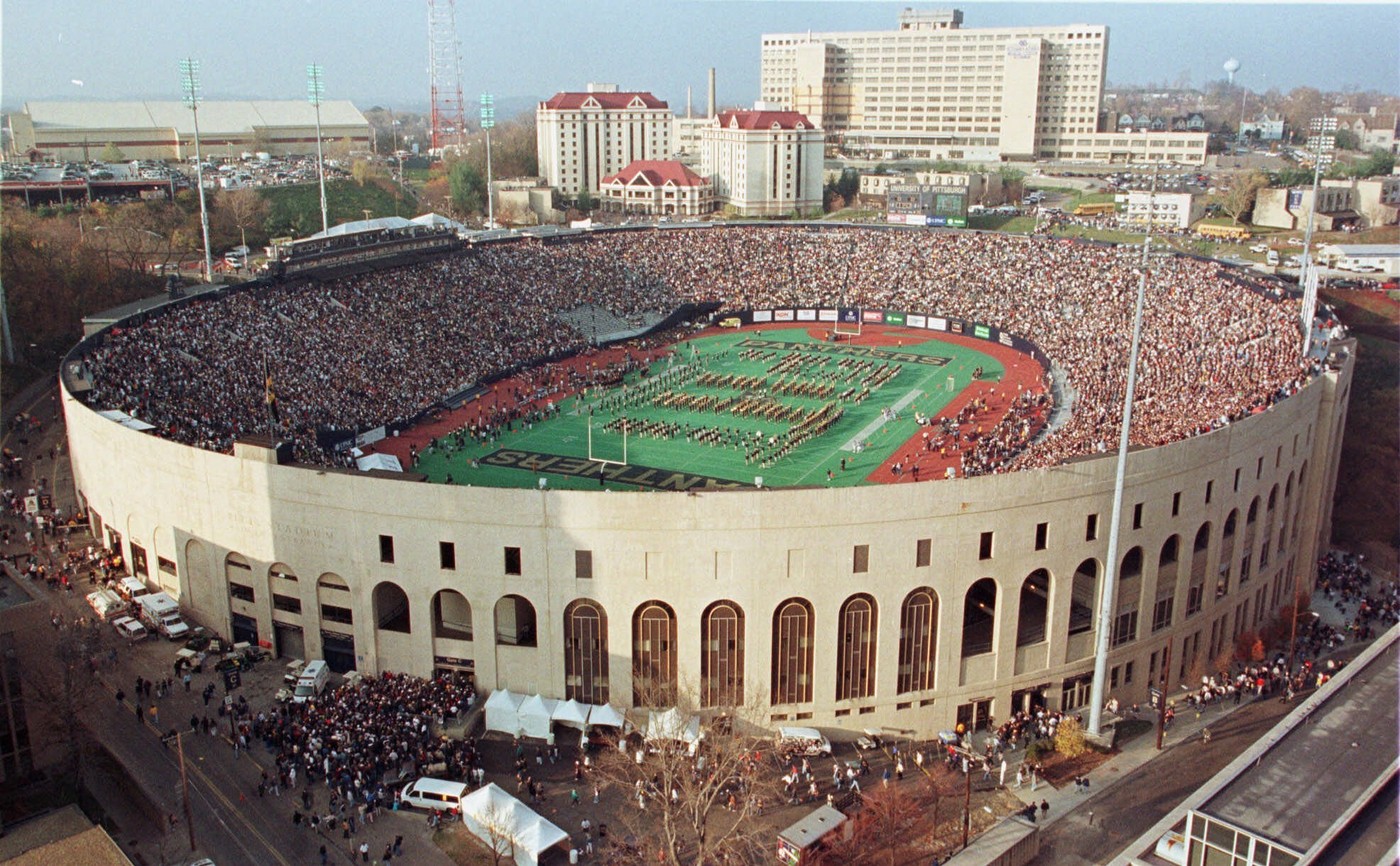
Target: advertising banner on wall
806	315
892	318
762	316
873	317
914	320
826	315
937	323
782	315
848	315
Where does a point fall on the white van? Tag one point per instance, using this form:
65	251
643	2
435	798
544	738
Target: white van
105	603
803	741
160	613
132	588
439	794
1271	258
311	682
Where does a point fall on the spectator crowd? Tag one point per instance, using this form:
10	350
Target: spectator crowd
382	347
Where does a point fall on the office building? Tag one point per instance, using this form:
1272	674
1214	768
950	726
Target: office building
582	137
764	163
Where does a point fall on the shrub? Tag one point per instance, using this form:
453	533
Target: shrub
1069	738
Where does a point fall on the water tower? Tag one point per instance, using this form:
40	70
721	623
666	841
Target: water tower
1231	67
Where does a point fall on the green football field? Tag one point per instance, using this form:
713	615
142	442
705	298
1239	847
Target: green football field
724	410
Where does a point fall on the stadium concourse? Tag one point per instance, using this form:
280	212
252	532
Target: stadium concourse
933	450
384	347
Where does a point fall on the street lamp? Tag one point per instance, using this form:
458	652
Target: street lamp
189	82
315	89
488	120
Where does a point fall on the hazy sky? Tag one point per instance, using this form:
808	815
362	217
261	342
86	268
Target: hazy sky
375	51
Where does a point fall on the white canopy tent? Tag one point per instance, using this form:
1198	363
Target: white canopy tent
508	825
571	713
671	725
503	712
535	714
605	716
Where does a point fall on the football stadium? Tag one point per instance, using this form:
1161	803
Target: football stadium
860	476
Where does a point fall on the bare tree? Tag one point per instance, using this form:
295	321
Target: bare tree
890	826
63	684
243	209
695	803
499	839
1239	197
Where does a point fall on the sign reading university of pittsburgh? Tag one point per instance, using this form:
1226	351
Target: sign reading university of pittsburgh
581	467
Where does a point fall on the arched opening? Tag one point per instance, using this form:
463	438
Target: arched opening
515	621
1273	498
855	648
1083	596
918	640
979	617
1131	567
793	625
337	622
1034	608
1171	552
1231	521
722	655
452	615
654	655
1288	488
243	622
1202	543
197	570
586	652
1168	573
391	608
1253	512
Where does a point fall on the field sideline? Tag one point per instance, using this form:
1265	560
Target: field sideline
728	391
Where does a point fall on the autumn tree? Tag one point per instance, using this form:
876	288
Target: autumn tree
242	210
1069	738
700	802
112	153
1241	193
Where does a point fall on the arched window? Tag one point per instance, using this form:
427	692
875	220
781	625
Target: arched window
333	596
918	640
515	622
452	615
979	617
1083	596
391	608
793	625
1035	608
1288	488
1131	566
654	655
1202	543
1273	498
586	652
722	655
1170	552
1253	512
1230	522
855	648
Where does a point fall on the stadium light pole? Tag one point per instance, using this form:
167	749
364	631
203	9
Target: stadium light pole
1320	143
488	120
1108	600
189	82
315	88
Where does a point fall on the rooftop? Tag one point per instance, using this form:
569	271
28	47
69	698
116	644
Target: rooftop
567	100
215	117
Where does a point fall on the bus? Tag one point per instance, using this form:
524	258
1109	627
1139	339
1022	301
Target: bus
1228	233
1103	208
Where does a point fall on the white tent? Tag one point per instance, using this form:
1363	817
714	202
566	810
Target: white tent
503	712
387	462
604	715
571	713
508	825
535	713
671	725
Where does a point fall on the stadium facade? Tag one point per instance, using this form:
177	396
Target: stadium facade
910	607
934	89
165	130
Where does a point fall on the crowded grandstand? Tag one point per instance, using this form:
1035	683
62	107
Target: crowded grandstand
383	346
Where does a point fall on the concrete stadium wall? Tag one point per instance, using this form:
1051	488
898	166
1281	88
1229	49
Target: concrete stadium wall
755	548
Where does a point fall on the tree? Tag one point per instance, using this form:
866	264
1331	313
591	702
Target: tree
585	201
364	171
1240	195
468	187
63	684
1347	139
1299	108
1379	163
112	153
1069	738
698	806
889	826
1013	183
243	209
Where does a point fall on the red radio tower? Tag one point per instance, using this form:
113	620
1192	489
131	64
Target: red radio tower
449	116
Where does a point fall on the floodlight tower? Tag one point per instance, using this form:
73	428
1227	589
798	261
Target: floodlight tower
315	89
449	116
189	83
488	120
1321	142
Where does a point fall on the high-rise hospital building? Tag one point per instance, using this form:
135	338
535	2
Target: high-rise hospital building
935	89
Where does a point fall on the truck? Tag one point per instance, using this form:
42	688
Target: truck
160	613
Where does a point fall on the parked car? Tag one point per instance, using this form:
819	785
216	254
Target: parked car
130	628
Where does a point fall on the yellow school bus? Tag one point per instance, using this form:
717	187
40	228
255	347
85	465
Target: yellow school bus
1096	209
1229	233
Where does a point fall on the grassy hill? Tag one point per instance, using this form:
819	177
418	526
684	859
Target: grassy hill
296	210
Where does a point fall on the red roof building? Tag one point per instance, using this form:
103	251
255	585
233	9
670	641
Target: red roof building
661	187
764	163
582	138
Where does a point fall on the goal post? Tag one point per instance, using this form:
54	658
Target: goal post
846	329
594	457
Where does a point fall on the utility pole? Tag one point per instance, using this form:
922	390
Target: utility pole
1162	701
185	788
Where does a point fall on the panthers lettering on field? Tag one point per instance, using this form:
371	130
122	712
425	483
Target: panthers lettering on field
846	349
641	476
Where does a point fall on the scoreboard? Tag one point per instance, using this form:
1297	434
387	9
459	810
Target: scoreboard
924	204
